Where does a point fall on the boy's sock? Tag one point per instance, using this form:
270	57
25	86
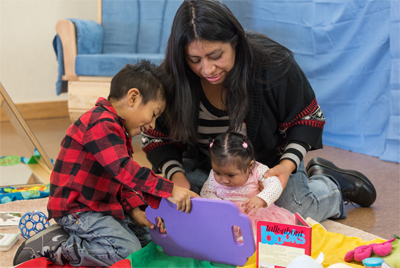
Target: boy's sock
46	243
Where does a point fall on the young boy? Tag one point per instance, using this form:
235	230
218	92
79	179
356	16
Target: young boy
97	192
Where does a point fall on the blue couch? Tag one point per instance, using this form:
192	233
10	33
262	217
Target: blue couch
349	50
129	32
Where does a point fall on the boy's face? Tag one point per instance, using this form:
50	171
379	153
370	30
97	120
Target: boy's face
141	117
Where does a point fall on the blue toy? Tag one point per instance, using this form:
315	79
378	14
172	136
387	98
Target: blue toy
32	222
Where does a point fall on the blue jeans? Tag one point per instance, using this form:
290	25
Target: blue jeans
97	239
319	197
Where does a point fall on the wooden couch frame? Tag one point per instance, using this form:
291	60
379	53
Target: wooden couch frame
83	91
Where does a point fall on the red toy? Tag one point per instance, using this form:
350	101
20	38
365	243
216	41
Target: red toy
363	252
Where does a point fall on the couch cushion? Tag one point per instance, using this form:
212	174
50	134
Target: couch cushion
171	6
110	64
143	26
150	25
120	21
137	26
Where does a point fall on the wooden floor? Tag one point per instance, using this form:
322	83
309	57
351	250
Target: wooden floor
382	219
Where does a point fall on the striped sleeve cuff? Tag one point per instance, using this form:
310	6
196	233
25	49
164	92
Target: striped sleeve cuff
295	152
169	168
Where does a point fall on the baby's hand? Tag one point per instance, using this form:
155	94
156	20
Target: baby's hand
253	202
181	197
161	225
260	186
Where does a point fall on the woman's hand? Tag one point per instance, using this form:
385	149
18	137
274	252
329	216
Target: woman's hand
180	179
181	197
253	202
282	171
139	217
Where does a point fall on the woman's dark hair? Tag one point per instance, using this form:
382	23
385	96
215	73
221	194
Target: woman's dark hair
212	20
231	148
145	76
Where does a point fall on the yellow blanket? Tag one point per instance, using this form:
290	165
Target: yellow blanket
333	245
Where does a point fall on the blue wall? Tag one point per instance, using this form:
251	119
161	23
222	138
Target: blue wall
349	50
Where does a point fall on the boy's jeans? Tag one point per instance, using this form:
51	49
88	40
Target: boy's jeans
319	197
97	239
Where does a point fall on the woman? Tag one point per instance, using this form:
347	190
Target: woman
227	79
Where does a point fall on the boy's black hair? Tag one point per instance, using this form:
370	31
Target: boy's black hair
147	77
231	148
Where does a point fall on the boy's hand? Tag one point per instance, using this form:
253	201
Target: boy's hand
253	202
139	217
180	179
181	197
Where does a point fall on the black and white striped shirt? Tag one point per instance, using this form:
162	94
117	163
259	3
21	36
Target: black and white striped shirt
213	121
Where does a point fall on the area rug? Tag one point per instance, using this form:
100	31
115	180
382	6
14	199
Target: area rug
24	206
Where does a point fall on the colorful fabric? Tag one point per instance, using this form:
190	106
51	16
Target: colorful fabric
152	255
94	170
10	160
44	263
394	257
363	252
335	246
9	194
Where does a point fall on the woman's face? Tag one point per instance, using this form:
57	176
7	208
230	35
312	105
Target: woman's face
210	60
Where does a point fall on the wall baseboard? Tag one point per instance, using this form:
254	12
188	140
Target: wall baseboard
40	110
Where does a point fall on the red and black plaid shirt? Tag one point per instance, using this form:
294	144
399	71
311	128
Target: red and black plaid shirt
94	170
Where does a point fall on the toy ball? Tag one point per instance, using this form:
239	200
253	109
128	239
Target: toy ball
32	222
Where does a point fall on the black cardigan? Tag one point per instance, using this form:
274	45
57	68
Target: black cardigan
279	113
